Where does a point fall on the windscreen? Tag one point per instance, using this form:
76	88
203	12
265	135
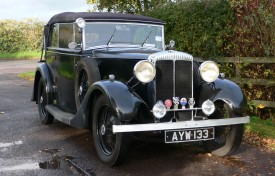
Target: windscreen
123	34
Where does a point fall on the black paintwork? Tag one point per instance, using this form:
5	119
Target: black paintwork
125	100
62	65
224	90
42	71
126	95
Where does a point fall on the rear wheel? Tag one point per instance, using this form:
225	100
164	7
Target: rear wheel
83	85
42	101
227	138
111	148
87	73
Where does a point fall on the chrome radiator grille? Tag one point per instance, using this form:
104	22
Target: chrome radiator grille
174	78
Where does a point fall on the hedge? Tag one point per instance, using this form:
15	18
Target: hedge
219	28
16	36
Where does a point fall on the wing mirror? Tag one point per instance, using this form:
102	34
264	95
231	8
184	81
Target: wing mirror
73	45
171	45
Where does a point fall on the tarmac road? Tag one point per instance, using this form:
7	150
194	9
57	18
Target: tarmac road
28	147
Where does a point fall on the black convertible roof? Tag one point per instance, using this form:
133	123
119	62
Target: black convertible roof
69	17
101	16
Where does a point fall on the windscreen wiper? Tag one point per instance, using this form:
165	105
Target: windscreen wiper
146	39
111	38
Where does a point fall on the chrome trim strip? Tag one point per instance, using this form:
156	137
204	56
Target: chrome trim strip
180	125
170	55
189	109
174	83
163	41
174	78
83	39
122	46
55	52
193	85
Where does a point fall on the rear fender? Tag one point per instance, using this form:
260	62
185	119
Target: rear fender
42	71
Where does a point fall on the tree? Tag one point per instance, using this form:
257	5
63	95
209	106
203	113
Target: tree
126	6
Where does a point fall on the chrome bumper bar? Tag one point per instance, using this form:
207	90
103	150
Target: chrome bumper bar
180	125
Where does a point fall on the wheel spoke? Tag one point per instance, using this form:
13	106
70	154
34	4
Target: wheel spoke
83	85
107	139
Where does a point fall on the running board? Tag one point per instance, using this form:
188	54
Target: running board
60	115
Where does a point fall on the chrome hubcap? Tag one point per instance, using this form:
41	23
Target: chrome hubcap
41	99
102	130
80	90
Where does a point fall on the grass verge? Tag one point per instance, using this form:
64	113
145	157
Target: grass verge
21	55
264	128
260	133
27	75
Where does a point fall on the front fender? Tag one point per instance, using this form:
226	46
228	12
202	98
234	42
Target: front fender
227	91
42	71
125	102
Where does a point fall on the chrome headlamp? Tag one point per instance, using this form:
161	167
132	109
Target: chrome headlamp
144	71
209	71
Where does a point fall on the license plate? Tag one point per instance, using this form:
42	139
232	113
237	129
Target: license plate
188	135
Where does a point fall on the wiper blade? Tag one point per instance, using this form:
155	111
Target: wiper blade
112	36
146	39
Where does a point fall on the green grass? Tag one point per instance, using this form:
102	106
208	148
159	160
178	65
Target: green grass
21	55
264	128
27	75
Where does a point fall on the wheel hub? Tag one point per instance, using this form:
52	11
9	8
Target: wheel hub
41	99
80	90
102	130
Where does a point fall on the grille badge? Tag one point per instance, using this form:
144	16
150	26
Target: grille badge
176	101
191	103
168	103
183	102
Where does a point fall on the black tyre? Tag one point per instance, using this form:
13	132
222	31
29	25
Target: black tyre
86	74
227	138
42	101
111	148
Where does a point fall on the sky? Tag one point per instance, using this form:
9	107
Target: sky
40	9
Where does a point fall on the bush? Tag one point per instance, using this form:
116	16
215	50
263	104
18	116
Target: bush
219	28
16	36
254	33
201	28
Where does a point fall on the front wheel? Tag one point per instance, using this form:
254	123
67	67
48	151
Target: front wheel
111	148
227	138
42	101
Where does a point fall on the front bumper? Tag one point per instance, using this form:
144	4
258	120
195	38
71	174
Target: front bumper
180	125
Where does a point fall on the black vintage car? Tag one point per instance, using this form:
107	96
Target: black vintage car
112	73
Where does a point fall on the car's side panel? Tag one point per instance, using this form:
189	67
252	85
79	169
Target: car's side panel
225	90
125	102
62	65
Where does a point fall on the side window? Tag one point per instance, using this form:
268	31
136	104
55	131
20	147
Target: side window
77	34
54	36
65	35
